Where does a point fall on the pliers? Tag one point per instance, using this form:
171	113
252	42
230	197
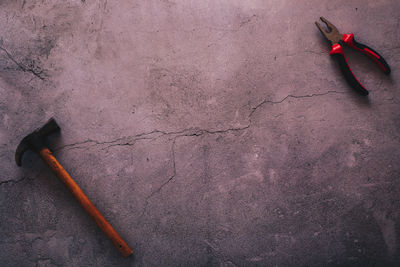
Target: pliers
337	41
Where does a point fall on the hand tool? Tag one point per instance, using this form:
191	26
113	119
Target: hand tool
35	142
337	41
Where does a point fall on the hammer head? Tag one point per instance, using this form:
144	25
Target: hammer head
35	140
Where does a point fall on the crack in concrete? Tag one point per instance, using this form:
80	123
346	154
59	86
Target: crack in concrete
291	96
166	182
131	140
185	132
95	142
173	174
22	66
13	182
200	132
195	132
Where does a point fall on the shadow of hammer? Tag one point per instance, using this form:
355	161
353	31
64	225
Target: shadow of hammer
35	142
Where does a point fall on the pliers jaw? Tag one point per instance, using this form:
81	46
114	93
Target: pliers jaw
333	34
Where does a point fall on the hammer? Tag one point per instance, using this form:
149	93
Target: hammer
35	142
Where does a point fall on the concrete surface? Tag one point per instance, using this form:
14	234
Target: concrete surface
215	132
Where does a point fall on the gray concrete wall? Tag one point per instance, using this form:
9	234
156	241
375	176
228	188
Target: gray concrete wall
214	132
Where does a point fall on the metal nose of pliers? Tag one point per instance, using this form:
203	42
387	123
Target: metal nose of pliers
333	34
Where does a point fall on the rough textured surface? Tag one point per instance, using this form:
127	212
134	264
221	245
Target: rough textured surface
207	132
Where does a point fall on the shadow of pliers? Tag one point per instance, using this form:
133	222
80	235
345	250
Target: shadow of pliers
337	40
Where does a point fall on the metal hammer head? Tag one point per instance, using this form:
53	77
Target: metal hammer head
35	140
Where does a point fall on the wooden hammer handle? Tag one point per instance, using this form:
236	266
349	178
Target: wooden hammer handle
85	202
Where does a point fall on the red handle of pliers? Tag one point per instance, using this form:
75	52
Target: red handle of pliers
349	40
337	52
